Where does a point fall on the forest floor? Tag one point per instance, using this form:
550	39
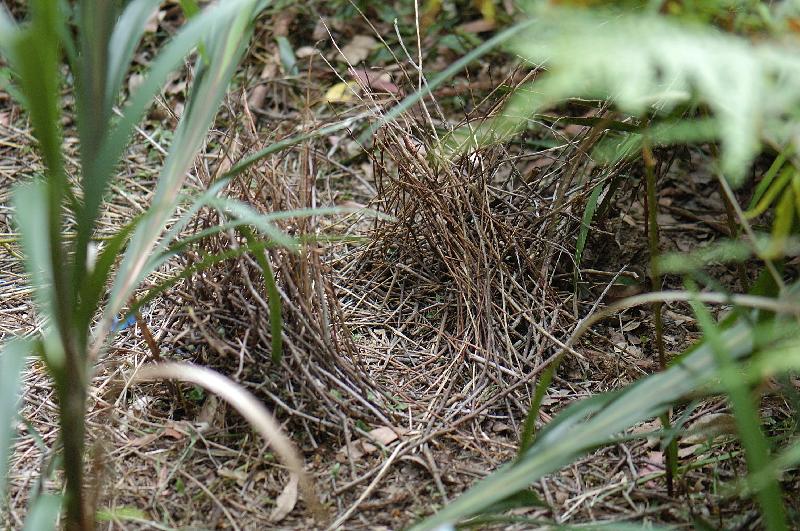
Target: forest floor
413	342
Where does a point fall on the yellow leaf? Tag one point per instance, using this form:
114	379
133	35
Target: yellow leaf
341	92
487	9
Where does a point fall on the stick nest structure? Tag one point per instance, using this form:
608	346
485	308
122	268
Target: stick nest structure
438	318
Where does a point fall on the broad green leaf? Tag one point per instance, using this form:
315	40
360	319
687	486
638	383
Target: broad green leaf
43	513
12	361
30	212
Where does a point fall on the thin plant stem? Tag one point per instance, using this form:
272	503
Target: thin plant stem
655	279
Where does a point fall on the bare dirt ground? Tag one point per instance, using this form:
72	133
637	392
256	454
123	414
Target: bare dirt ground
412	343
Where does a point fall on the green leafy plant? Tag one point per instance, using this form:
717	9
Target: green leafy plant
671	82
750	88
81	288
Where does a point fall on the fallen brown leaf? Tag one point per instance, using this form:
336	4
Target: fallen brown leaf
286	501
357	49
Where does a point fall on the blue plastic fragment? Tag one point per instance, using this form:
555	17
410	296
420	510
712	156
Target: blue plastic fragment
119	326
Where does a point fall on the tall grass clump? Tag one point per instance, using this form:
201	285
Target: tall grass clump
672	77
86	48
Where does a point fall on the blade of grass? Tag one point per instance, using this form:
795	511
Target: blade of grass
586	222
93	287
43	514
747	419
35	58
170	58
273	295
769	176
529	427
224	45
280	145
127	33
12	361
201	265
572	434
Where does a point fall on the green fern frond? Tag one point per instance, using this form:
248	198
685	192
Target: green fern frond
647	64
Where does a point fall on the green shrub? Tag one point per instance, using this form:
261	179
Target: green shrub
79	292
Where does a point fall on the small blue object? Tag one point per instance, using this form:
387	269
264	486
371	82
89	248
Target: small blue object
119	326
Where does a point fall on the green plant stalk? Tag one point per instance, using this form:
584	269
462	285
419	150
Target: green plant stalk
747	421
730	215
95	21
671	454
72	405
274	296
36	54
68	289
529	427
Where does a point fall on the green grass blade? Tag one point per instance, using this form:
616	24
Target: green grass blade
43	514
273	295
126	35
170	58
35	58
95	23
12	361
288	60
204	263
195	204
593	422
30	205
772	192
280	145
224	43
529	427
770	174
245	214
94	286
747	420
586	223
